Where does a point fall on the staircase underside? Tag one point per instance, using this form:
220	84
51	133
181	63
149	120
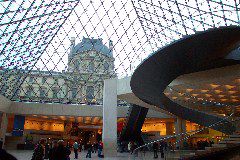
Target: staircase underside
200	52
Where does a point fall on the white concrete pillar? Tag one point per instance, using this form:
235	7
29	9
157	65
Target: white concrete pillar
3	127
110	118
180	127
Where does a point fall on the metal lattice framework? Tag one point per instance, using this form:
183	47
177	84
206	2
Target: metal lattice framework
61	51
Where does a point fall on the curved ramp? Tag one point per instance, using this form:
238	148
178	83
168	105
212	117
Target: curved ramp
204	50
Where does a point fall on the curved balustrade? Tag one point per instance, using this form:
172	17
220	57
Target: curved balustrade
199	52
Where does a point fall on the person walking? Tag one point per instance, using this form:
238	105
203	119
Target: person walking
38	153
75	148
62	152
155	149
52	151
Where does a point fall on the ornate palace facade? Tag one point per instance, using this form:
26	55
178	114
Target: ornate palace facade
89	63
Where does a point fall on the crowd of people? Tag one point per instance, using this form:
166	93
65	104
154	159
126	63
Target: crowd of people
58	151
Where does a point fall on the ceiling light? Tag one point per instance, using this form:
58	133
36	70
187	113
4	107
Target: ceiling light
217	91
204	90
221	95
195	94
214	85
189	90
232	92
229	86
208	95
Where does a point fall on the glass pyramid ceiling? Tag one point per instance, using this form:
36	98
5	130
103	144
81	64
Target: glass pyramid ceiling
61	51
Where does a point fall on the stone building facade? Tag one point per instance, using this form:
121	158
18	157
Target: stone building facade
89	63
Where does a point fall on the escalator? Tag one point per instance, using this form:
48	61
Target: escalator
132	129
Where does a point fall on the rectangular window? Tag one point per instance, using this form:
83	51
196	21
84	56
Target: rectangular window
31	79
75	78
55	80
44	79
55	93
90	93
29	92
74	92
42	93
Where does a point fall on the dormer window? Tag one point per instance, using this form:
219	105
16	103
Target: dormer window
30	79
91	67
106	66
76	65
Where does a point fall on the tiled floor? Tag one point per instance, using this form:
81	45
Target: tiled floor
26	155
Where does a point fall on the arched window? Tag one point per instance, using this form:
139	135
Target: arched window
29	92
74	93
55	93
91	67
42	93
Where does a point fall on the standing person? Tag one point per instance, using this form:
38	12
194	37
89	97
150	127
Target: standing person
62	152
75	148
83	148
95	147
38	153
89	151
47	147
100	148
162	149
129	146
52	152
155	149
1	143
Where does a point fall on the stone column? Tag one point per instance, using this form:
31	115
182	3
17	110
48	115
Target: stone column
169	128
110	118
180	127
3	127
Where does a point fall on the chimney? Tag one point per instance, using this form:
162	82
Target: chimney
72	45
111	46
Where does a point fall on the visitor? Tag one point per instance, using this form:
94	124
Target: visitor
95	147
89	151
162	149
211	143
52	151
68	146
83	148
1	143
75	148
62	152
100	149
129	146
155	149
80	147
38	153
47	147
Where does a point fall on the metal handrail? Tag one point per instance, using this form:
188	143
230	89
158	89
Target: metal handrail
197	131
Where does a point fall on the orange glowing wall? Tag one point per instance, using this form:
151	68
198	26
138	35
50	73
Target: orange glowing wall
158	127
43	125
